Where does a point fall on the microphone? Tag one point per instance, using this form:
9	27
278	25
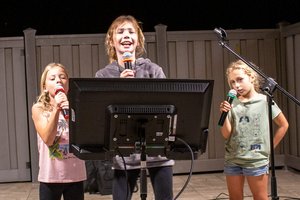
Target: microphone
65	111
230	96
127	60
221	33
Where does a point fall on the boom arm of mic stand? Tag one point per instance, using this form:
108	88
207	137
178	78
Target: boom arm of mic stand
269	87
270	83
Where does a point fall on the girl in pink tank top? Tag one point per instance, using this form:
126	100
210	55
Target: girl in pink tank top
60	172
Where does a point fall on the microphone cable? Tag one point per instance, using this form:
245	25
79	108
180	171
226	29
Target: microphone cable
191	167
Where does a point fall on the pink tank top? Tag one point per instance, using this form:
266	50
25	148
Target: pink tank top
56	163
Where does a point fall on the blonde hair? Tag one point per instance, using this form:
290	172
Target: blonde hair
110	50
239	64
44	97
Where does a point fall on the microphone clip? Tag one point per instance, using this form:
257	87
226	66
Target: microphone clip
221	33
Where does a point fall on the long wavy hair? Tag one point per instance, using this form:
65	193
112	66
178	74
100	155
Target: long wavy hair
110	50
44	97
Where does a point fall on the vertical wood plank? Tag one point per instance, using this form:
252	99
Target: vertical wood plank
65	55
172	60
151	52
297	87
199	60
85	61
4	118
218	96
291	87
182	64
75	61
46	56
252	51
20	143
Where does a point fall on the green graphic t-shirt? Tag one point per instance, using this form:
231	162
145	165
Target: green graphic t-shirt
249	143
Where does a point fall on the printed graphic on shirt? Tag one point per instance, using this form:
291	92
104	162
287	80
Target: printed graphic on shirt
60	147
250	135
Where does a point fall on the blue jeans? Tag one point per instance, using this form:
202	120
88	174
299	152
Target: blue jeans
161	179
54	191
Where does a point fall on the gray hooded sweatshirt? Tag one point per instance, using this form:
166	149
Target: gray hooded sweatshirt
143	68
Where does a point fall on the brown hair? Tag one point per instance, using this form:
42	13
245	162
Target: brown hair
110	50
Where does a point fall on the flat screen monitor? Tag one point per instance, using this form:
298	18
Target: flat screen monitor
109	116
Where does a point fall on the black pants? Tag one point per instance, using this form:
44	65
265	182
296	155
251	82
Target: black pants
54	191
161	179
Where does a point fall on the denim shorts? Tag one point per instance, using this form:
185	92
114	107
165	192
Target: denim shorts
237	170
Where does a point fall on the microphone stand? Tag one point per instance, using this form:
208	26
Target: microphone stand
143	172
268	88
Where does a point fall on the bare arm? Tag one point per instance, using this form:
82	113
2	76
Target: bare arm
226	128
283	125
46	122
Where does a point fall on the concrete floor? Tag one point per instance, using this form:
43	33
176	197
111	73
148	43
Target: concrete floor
202	186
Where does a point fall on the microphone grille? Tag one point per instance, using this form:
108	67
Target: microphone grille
59	88
127	57
232	93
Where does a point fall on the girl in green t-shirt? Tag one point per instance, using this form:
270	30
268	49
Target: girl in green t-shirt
247	135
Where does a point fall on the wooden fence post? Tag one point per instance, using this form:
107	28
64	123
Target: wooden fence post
32	92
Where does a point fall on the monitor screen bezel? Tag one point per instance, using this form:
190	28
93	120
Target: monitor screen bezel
90	97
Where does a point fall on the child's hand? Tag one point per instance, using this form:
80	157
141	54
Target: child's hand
225	106
127	73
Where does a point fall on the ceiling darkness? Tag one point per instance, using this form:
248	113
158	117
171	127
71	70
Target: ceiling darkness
71	17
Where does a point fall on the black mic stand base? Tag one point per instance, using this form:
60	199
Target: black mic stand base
274	188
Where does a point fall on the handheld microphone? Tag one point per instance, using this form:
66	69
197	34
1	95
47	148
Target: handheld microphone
230	96
65	111
127	60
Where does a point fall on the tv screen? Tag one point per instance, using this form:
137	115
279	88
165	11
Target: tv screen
112	114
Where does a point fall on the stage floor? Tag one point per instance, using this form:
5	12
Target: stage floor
202	186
